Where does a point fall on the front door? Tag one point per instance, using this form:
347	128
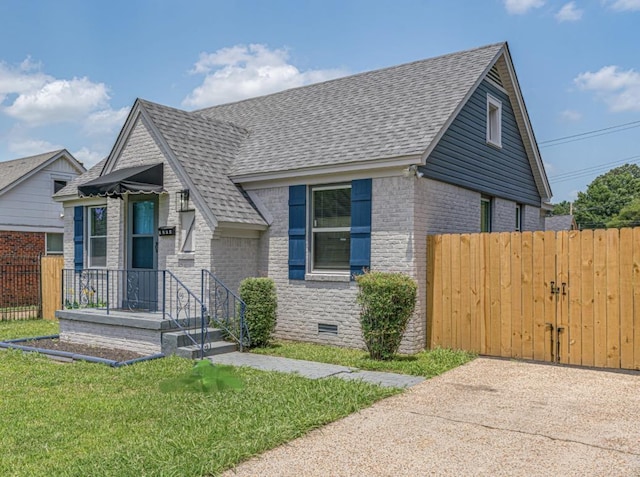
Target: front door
142	253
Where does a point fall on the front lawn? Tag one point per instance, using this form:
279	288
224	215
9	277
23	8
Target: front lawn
426	363
27	329
88	419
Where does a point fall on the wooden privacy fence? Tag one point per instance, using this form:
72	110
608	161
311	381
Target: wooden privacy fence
570	297
51	283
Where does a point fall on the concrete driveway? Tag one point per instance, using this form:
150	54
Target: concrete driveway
489	417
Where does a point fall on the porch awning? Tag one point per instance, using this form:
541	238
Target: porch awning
133	180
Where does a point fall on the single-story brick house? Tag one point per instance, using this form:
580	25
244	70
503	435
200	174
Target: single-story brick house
314	184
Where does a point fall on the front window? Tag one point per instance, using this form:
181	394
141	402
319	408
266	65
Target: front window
485	215
54	244
97	236
331	228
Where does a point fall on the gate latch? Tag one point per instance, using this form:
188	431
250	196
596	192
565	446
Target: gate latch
554	289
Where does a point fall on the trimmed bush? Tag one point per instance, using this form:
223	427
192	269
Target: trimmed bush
259	294
387	300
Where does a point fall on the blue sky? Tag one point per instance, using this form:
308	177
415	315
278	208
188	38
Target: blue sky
70	70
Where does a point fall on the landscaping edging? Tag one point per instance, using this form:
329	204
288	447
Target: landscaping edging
13	344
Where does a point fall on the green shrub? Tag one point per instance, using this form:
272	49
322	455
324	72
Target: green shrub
259	294
387	300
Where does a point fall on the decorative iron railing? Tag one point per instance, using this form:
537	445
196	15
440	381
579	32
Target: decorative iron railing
225	309
149	291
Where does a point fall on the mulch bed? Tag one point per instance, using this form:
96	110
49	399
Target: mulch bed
96	351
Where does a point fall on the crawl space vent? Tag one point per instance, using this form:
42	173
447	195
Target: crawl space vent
327	328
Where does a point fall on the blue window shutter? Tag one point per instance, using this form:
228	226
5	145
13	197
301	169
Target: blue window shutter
78	237
297	231
360	257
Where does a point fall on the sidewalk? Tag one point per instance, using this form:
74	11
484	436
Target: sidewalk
313	370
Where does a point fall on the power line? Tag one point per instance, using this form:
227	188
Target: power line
578	173
589	134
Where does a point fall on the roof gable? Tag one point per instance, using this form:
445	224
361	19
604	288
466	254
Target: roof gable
205	150
16	171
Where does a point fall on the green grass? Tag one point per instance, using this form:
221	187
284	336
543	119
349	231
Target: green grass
88	419
426	363
27	329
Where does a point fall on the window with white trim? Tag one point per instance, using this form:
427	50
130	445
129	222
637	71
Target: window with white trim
330	228
54	243
485	214
494	121
97	236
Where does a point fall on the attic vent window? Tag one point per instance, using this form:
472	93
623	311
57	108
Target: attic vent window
58	185
325	328
494	121
494	76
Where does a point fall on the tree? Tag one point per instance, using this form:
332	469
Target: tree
561	208
629	216
606	196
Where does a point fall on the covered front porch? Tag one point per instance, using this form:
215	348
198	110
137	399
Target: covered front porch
150	311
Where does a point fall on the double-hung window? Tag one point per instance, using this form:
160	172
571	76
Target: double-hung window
494	121
97	235
330	227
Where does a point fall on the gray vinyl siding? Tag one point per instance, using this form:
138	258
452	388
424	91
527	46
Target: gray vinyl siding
463	157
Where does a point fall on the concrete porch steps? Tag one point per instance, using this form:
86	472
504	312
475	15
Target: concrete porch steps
179	343
144	333
215	348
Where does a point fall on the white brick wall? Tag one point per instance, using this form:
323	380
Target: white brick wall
532	218
303	304
234	259
449	208
503	215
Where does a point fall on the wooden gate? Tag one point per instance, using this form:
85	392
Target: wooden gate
570	297
51	283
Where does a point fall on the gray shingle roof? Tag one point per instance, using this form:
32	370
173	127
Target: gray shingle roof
559	222
206	149
385	113
11	171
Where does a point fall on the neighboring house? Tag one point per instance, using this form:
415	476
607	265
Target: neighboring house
314	184
560	222
31	222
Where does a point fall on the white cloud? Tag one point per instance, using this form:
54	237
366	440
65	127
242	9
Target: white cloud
89	157
520	7
571	115
31	147
20	79
618	88
624	5
240	72
59	101
569	13
105	121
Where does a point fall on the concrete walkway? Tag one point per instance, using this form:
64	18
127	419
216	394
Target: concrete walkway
313	370
489	417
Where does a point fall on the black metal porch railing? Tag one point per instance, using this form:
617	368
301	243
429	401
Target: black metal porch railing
225	309
147	291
